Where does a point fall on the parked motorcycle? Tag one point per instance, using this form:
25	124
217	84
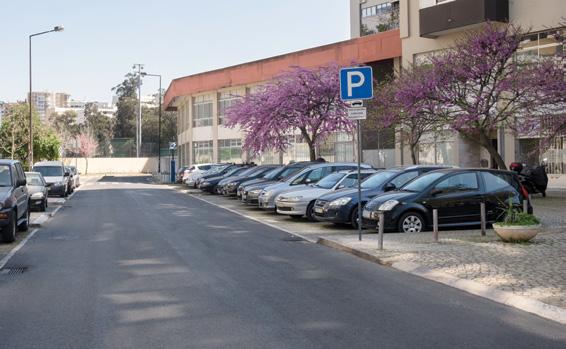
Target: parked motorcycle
535	180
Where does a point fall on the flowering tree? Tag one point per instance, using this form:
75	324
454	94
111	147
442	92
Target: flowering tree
482	86
304	100
87	147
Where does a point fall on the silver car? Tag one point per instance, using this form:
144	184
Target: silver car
37	189
300	202
309	175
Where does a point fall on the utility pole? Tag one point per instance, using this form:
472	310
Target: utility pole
139	67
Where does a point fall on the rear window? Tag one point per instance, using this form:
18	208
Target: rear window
499	181
34	180
205	167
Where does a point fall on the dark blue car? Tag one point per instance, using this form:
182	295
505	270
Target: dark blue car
341	207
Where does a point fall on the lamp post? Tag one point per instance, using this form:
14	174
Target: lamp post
139	67
58	28
159	123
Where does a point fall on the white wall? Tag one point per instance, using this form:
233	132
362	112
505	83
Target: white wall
114	165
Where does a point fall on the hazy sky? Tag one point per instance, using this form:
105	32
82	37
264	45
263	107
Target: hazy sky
102	39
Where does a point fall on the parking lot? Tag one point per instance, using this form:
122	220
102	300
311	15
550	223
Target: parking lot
536	270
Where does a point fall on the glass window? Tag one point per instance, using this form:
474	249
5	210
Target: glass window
225	101
421	183
49	171
202	152
202	111
34	180
459	182
330	181
377	179
230	150
403	178
499	181
5	177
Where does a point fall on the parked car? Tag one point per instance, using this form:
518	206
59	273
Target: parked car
194	169
193	178
76	176
300	202
249	190
14	200
210	184
37	190
309	175
457	194
180	173
71	179
341	206
215	172
229	185
55	175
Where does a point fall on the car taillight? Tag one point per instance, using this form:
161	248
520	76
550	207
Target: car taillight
524	192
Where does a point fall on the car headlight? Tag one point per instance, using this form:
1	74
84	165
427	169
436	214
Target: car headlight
388	205
37	195
265	194
293	198
255	192
205	183
59	183
340	202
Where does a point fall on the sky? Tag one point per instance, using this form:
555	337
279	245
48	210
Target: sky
103	39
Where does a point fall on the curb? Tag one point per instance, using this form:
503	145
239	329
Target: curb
526	304
40	220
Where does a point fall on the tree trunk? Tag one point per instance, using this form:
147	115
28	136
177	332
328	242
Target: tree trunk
414	149
486	143
312	152
86	166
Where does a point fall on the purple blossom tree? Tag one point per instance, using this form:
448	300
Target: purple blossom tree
482	85
303	100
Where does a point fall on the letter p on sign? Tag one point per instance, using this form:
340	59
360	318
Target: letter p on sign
356	83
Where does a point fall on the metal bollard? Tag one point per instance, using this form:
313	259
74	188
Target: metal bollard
482	209
435	224
380	231
526	206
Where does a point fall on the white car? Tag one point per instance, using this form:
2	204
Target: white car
300	202
196	171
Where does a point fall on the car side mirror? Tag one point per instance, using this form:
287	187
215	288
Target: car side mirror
341	186
67	174
389	187
308	181
21	183
435	191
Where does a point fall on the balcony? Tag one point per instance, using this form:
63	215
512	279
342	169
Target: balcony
457	15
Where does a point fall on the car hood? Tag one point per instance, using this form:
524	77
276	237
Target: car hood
351	193
255	181
400	196
308	193
54	179
261	185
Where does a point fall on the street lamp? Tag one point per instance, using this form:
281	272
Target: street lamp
159	123
58	28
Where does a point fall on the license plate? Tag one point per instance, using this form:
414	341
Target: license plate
318	210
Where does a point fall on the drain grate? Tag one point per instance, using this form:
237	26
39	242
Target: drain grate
13	270
293	238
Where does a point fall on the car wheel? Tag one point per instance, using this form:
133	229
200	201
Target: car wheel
9	231
411	222
310	212
354	218
25	225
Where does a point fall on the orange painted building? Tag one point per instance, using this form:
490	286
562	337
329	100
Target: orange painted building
200	99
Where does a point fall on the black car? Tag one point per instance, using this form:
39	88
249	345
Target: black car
341	206
210	184
457	194
229	186
215	172
14	200
249	191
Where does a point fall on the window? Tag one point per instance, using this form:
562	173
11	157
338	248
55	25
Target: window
498	182
5	177
459	182
202	152
401	179
379	18
49	171
540	45
225	101
202	111
230	150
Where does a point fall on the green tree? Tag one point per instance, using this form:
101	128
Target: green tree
100	126
125	116
66	127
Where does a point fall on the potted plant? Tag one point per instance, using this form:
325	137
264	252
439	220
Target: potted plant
516	225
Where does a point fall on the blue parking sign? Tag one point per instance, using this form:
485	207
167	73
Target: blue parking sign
356	83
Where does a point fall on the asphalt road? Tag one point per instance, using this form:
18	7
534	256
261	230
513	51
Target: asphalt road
141	266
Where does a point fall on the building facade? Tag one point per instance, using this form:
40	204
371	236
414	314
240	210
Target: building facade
201	101
427	27
46	102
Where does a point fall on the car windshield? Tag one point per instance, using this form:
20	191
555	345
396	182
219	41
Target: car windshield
289	171
5	177
33	180
377	179
272	174
330	180
49	171
248	171
420	183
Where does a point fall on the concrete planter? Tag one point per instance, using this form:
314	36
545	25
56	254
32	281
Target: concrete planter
516	233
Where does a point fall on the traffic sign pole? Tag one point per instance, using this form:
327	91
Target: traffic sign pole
359	181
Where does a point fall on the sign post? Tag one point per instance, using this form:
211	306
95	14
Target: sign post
356	84
173	171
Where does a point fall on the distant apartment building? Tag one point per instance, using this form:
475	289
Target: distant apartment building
46	102
201	101
79	108
427	27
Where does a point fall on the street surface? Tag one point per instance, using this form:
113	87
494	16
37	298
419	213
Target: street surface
128	264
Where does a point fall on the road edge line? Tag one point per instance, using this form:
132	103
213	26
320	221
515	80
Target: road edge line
10	254
529	305
254	219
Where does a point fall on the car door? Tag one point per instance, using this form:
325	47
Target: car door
457	198
498	189
21	191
